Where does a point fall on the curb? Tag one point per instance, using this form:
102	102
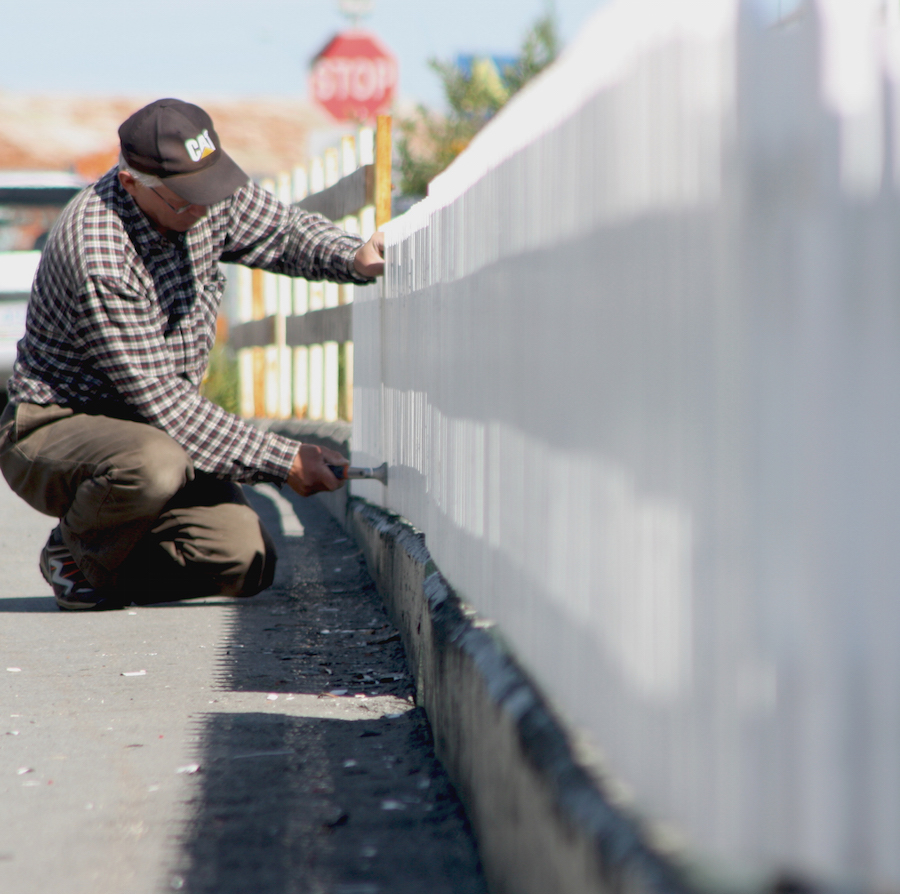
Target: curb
542	821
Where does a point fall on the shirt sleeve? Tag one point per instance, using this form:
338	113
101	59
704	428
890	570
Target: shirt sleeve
265	233
121	333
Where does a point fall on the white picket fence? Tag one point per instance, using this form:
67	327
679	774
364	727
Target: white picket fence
294	338
635	368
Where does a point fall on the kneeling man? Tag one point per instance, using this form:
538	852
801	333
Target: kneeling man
105	428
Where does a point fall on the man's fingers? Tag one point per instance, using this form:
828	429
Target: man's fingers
310	473
333	457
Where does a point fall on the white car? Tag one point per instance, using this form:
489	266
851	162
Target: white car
30	202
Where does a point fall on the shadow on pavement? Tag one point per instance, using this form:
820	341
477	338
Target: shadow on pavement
287	804
17	604
190	603
338	796
331	631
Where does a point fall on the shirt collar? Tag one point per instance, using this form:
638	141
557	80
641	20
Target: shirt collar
136	223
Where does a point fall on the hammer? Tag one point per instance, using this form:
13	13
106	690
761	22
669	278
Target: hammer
379	473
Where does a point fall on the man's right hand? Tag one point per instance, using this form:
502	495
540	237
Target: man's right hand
369	260
309	472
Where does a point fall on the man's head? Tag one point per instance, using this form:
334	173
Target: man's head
176	143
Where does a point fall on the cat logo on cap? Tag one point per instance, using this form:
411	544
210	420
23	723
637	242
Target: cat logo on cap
200	146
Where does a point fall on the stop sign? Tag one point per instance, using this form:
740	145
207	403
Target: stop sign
354	76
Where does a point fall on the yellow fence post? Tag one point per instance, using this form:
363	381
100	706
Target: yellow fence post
259	353
383	171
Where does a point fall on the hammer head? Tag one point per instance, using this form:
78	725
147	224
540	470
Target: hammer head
361	472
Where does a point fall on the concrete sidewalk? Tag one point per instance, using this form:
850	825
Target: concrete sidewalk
270	745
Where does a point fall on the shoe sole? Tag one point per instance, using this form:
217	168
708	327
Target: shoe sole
105	605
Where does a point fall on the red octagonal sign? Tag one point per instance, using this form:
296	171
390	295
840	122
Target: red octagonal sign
354	77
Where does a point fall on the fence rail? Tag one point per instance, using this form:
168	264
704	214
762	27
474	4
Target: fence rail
347	197
315	327
295	339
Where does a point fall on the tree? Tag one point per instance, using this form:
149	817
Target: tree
429	142
539	49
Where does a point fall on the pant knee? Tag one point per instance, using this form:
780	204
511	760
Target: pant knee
157	469
217	548
253	555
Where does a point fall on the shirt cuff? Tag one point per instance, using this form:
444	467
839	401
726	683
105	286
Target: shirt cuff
349	259
277	458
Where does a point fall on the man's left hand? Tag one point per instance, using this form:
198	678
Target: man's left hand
370	257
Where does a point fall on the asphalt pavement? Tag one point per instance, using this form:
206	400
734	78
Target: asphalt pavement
257	746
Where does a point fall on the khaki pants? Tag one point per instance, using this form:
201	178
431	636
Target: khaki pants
132	510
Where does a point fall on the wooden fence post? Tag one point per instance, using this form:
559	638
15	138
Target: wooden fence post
247	401
383	171
299	190
259	353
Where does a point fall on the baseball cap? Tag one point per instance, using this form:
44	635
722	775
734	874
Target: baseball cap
176	141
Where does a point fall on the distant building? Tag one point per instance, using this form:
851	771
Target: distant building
80	133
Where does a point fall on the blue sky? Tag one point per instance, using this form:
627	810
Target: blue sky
195	48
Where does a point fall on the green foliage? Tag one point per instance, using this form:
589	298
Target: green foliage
220	385
540	47
429	142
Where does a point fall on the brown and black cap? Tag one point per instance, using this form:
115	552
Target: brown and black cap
176	141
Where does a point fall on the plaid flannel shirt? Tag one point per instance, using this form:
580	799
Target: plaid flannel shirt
121	319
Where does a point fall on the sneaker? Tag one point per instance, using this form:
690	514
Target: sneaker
71	588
